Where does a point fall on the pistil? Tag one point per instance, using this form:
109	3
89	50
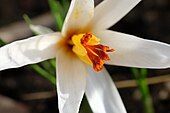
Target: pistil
89	49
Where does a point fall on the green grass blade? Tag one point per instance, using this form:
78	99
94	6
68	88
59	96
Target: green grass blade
140	77
2	43
57	12
44	73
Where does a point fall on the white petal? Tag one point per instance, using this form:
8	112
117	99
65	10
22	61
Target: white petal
28	51
79	16
102	94
109	12
136	52
71	82
40	30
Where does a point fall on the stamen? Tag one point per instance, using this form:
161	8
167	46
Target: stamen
90	51
86	38
96	53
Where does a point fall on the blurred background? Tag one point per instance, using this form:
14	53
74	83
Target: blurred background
23	91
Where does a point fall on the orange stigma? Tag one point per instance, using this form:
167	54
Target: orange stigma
96	53
89	50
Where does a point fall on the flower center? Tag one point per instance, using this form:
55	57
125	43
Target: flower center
88	48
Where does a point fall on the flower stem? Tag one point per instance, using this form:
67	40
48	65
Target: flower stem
140	76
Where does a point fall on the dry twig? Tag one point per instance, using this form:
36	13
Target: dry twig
119	84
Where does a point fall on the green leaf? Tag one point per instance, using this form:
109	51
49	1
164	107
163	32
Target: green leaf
2	43
66	4
135	72
48	67
44	73
53	63
58	12
27	19
144	73
140	77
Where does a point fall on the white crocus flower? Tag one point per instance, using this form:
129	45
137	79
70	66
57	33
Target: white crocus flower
79	47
